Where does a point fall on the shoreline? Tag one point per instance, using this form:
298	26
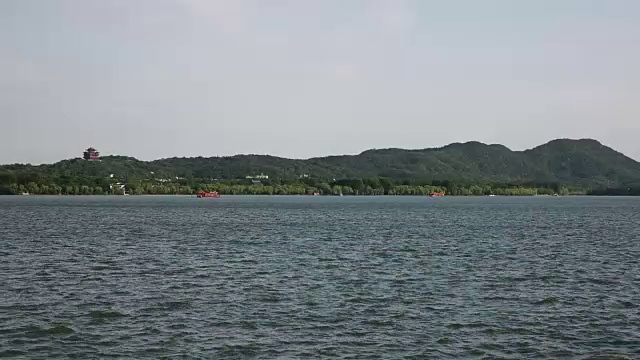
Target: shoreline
300	195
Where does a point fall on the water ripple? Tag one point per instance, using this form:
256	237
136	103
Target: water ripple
309	277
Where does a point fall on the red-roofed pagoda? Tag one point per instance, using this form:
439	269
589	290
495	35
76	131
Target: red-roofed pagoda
91	154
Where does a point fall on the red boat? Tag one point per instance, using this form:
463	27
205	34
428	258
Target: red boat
437	194
212	194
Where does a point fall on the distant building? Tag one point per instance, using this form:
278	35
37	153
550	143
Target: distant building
118	188
256	182
261	176
91	154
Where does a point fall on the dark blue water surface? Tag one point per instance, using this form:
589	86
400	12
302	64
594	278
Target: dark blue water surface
319	277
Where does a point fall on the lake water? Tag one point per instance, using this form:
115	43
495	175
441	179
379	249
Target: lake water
319	277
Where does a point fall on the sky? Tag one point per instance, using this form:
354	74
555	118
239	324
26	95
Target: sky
304	78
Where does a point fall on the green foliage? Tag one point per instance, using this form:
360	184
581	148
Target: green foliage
563	167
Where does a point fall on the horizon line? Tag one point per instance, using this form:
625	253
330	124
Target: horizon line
324	156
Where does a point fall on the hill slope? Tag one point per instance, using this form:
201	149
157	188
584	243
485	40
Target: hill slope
583	162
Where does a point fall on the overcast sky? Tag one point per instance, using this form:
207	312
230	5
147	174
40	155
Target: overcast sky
303	78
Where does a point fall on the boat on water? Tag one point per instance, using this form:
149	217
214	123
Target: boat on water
436	194
210	194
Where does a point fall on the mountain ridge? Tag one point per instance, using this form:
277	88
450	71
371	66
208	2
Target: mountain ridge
583	162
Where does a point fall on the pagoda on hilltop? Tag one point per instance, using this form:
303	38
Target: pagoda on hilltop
91	154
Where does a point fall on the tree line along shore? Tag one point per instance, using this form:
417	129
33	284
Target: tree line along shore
349	187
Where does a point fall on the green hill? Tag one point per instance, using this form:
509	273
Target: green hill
579	163
584	162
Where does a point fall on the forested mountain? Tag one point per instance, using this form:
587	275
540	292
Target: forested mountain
580	163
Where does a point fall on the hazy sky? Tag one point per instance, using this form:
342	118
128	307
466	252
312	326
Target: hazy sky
302	78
